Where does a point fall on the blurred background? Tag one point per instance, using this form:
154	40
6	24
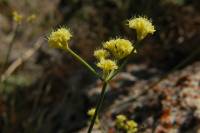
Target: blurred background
44	90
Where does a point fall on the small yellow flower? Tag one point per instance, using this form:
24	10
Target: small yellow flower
119	48
135	130
120	121
31	18
17	17
101	54
59	38
107	65
91	112
142	25
131	125
121	118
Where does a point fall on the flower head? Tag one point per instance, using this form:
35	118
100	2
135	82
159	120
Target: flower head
131	126
120	121
91	112
119	48
31	18
142	25
17	17
101	54
107	65
59	38
121	118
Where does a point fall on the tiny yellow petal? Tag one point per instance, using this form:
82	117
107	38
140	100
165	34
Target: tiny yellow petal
121	118
142	25
59	38
101	54
119	48
17	17
132	124
91	112
107	65
120	121
31	18
134	130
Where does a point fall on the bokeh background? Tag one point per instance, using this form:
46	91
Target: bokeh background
50	92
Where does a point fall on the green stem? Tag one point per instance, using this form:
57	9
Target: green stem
90	68
99	104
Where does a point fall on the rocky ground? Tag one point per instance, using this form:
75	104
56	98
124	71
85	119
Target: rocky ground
171	106
51	92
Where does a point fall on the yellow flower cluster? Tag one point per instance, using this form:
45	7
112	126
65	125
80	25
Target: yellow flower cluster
17	17
59	38
90	113
143	27
116	49
101	54
120	121
119	48
130	126
31	18
107	65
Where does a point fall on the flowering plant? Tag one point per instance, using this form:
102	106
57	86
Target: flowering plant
112	57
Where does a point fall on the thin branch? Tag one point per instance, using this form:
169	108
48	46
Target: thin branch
99	104
90	68
29	53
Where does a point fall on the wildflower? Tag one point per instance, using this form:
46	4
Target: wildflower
121	118
91	112
120	121
59	38
17	17
131	126
107	65
119	48
31	18
101	54
142	25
